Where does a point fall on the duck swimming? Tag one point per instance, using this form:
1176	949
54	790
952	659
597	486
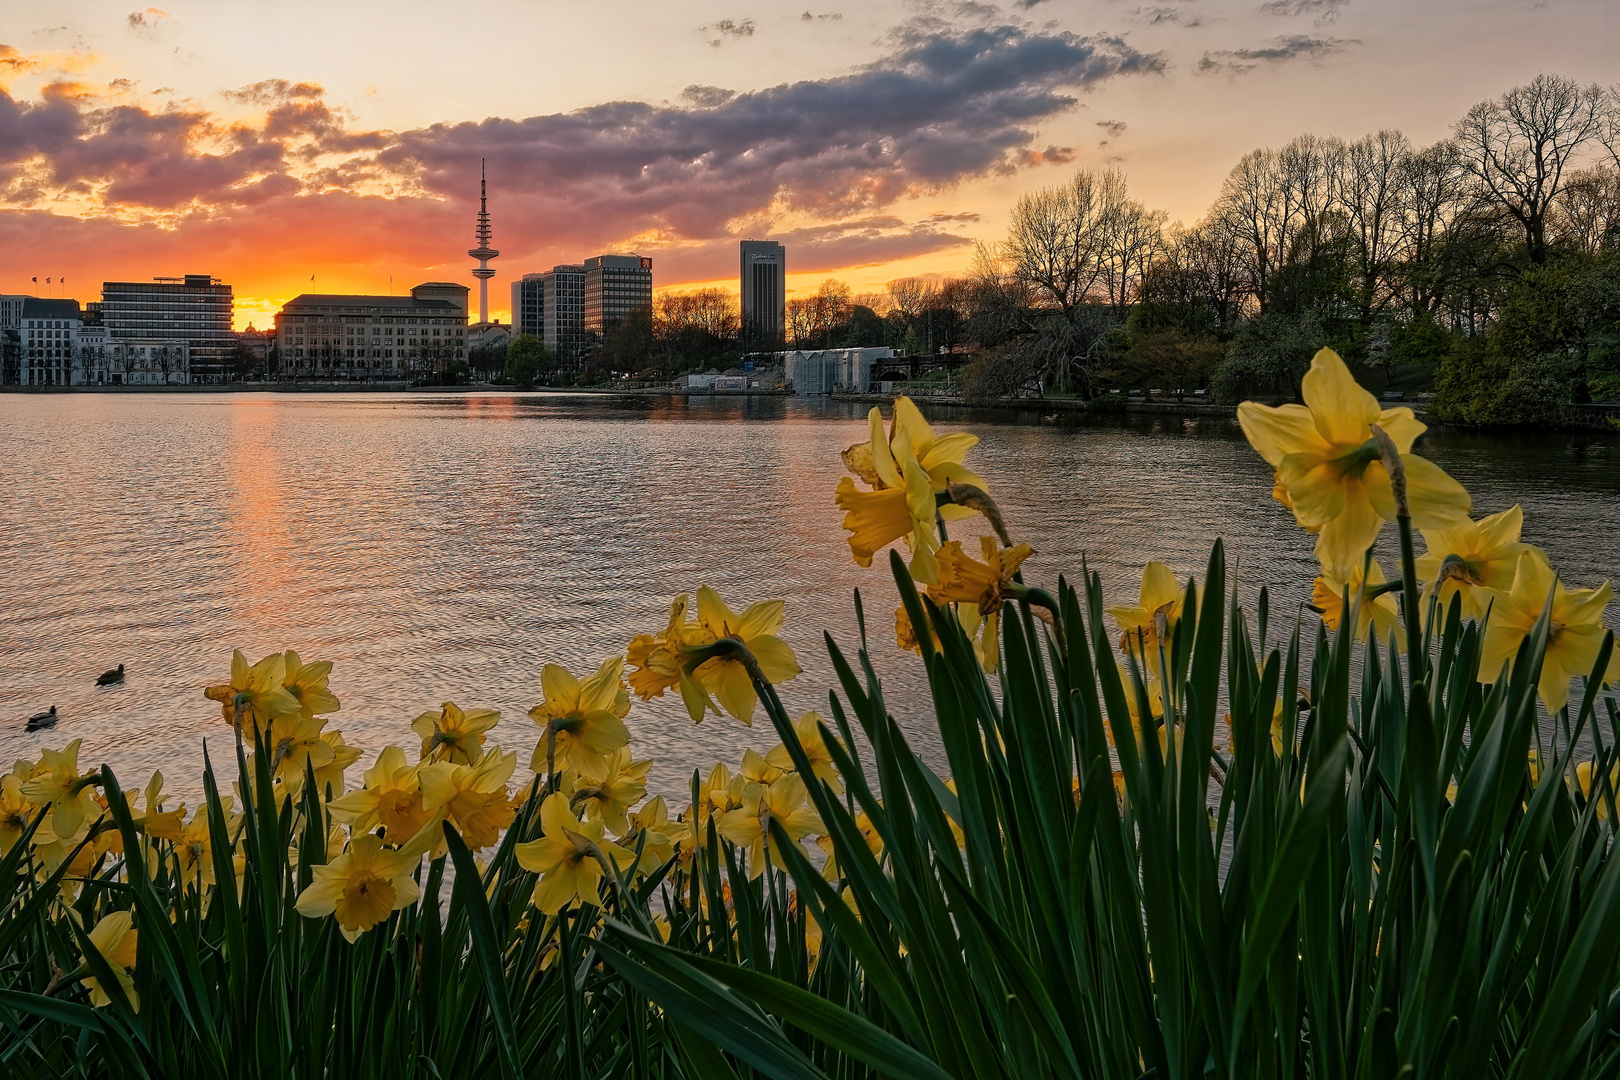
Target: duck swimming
107	678
42	720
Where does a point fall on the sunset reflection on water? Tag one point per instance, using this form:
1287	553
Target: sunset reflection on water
445	546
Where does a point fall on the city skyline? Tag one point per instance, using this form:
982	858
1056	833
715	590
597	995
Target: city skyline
877	143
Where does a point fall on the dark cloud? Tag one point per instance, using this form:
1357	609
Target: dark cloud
149	21
807	17
1153	16
1113	128
1291	47
1325	11
732	28
838	154
267	91
13	61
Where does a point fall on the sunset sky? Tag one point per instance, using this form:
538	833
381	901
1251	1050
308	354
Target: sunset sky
266	143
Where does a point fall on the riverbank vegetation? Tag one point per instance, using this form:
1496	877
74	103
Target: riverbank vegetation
1484	268
1210	832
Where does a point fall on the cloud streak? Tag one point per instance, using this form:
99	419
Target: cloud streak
1282	50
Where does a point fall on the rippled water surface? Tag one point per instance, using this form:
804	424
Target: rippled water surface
446	546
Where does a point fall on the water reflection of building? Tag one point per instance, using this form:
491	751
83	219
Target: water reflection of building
354	336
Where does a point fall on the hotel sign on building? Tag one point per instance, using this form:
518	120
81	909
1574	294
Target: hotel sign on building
352	336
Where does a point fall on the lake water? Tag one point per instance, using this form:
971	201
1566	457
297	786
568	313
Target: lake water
445	546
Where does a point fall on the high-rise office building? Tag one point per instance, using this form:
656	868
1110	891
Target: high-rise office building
562	301
615	285
195	309
764	291
528	305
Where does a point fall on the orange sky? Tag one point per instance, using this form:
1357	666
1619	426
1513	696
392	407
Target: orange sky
342	141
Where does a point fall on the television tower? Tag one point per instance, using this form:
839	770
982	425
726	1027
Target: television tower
483	252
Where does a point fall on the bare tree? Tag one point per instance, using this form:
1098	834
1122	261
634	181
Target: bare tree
1375	172
1519	146
1060	237
1586	214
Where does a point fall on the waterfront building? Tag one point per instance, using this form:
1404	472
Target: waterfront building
258	344
529	306
148	361
195	309
822	371
486	336
353	336
764	291
48	339
562	300
11	305
483	252
614	286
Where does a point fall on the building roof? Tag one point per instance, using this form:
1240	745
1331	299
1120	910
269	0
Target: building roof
358	300
36	307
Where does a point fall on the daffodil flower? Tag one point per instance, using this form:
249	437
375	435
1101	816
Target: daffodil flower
580	720
58	784
1584	772
295	741
567	858
808	730
453	735
255	695
391	798
1330	590
330	775
727	677
1328	468
362	886
748	825
1470	558
307	683
940	457
17	811
876	519
664	660
473	797
607	787
652	822
1574	636
116	939
1160	597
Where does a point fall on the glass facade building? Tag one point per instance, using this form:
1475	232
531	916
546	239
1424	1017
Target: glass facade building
615	285
195	309
763	285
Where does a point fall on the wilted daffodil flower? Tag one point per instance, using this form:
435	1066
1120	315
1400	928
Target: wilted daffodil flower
1472	557
664	660
1377	608
453	735
567	857
748	825
115	938
1574	636
391	798
1328	468
362	886
255	695
904	468
580	720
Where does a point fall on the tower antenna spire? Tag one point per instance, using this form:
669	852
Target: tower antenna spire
483	252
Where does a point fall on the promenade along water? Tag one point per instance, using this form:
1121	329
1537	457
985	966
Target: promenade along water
445	547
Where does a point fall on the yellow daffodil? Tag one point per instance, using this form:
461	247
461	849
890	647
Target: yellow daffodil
1328	468
978	589
1381	612
748	825
1160	596
607	787
869	833
726	677
255	695
362	886
585	719
1584	772
58	784
1574	636
17	812
755	770
717	793
329	777
391	798
115	938
1472	557
453	735
566	858
1133	708
940	457
307	683
194	847
808	729
295	741
876	519
650	821
663	660
473	797
906	634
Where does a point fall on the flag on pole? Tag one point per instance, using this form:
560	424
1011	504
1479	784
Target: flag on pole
35	279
